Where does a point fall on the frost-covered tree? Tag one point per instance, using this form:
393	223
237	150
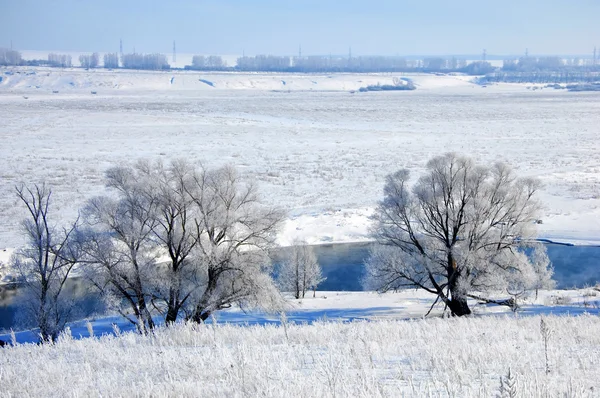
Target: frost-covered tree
59	60
89	61
44	263
119	251
300	271
111	60
463	230
235	232
175	232
144	61
10	57
212	62
180	239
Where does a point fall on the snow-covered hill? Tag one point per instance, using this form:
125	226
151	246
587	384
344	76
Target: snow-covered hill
46	80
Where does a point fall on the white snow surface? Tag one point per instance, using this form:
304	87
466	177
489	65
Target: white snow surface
337	344
317	150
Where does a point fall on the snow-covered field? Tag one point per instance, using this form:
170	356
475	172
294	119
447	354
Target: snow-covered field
375	355
317	150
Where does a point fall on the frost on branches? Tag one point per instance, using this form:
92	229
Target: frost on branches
45	262
180	240
463	230
300	270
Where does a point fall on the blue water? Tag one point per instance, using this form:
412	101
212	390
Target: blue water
343	265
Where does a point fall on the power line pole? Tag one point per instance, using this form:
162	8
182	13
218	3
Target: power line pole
174	52
526	52
484	55
299	50
121	46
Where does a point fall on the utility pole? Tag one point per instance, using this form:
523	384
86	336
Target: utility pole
299	50
484	55
526	53
121	46
350	52
174	52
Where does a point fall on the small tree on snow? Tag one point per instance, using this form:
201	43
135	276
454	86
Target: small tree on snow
45	262
462	229
300	270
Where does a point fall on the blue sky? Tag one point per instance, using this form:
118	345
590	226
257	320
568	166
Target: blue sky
277	27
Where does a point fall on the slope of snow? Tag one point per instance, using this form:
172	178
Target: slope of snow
44	80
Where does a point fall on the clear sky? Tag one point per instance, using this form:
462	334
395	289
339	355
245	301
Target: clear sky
384	27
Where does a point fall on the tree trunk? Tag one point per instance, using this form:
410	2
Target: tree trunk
200	312
459	306
173	306
200	316
43	322
146	317
458	303
171	316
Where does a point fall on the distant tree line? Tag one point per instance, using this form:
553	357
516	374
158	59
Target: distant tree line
528	69
59	60
544	70
545	64
89	61
565	77
10	57
317	63
145	61
111	60
211	62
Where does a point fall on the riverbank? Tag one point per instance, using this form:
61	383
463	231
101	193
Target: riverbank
357	306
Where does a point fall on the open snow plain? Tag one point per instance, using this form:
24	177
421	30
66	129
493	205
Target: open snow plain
316	149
